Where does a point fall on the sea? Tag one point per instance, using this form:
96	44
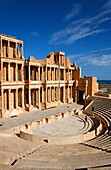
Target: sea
104	81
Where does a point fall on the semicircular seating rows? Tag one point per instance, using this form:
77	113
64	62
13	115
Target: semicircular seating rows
102	108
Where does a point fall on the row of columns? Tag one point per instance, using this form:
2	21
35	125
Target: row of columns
52	73
48	94
7	98
14	70
8	48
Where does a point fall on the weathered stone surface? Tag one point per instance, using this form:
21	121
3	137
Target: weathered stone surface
38	84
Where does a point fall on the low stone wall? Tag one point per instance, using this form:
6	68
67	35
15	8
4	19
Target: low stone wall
102	122
58	140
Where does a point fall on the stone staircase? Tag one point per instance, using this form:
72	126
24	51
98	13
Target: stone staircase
102	108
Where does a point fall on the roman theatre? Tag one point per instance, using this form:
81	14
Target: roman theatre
50	117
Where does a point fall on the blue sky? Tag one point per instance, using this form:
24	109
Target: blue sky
80	28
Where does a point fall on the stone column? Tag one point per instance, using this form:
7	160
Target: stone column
29	72
86	86
16	98
54	73
16	72
23	97
71	92
16	50
64	94
76	90
32	92
8	49
22	73
8	71
36	96
54	93
50	95
2	101
39	72
46	95
29	98
58	93
1	49
39	98
42	94
1	71
50	74
46	72
9	92
21	50
68	78
68	94
71	75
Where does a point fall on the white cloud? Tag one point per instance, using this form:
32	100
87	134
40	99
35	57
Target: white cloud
104	20
75	10
82	34
107	5
94	57
104	60
35	33
100	50
81	28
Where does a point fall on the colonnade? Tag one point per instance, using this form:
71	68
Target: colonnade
12	98
11	49
41	96
12	71
48	73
